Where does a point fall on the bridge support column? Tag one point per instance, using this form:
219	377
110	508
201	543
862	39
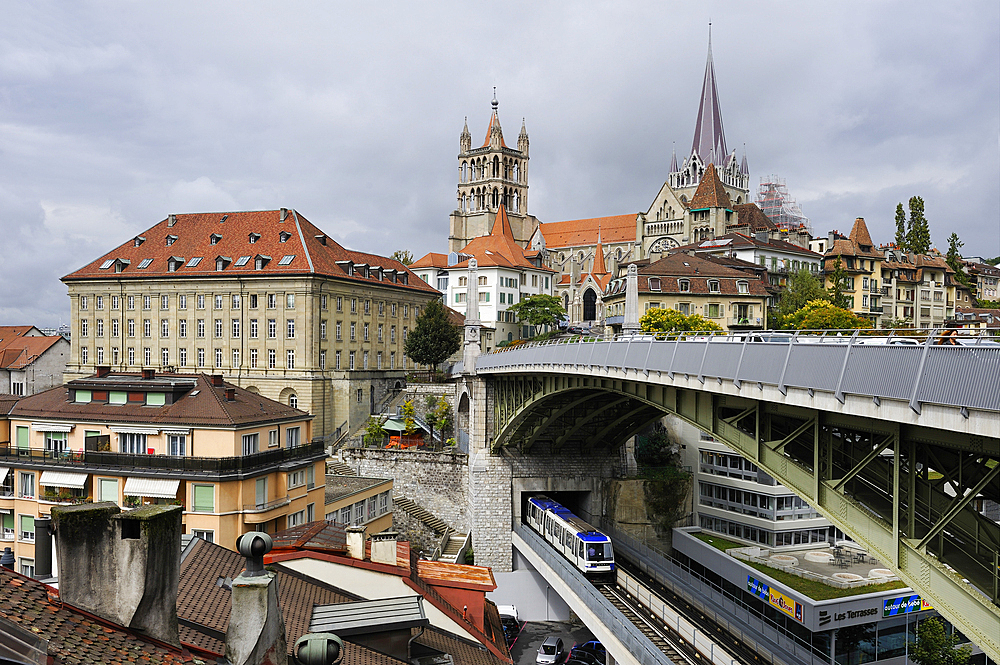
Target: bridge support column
489	488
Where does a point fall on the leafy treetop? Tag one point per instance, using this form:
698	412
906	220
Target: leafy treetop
539	310
670	320
837	280
404	256
433	338
824	315
935	647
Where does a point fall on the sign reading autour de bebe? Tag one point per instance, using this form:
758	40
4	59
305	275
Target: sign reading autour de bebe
775	598
904	605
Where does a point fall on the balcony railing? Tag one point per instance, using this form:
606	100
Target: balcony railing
264	507
92	458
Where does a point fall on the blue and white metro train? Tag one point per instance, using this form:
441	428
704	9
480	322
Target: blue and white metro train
586	547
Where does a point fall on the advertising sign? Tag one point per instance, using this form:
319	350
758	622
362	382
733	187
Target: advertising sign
904	605
775	598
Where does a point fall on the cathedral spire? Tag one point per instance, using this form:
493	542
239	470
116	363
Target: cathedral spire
708	132
494	131
673	161
599	267
465	140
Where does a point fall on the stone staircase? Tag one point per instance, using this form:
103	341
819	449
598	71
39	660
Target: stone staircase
418	512
456	541
338	468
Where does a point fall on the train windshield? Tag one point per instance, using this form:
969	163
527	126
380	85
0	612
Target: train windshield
599	552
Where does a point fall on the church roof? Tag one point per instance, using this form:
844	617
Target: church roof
494	121
599	268
498	249
709	136
752	216
710	192
430	260
583	232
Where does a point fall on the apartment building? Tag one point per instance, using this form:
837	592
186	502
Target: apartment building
862	262
30	360
264	298
235	460
917	288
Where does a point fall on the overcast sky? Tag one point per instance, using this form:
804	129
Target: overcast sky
115	114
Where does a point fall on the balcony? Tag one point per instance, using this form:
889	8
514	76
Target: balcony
95	460
269	505
743	323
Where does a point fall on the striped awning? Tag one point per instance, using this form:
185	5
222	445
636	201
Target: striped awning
63	479
51	427
4	470
154	488
134	430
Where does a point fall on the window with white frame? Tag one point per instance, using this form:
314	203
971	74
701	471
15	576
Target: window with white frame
176	444
203	498
208	535
359	513
26	485
292	437
295	519
251	443
26	531
290	359
132	443
296	478
272	438
26	566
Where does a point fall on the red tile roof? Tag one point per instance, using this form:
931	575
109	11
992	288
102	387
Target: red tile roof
583	232
76	636
22	351
697	271
203	405
710	192
859	234
752	216
291	247
431	260
494	119
498	249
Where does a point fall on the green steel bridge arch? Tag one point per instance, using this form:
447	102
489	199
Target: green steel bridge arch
900	468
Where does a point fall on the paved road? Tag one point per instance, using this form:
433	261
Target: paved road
534	633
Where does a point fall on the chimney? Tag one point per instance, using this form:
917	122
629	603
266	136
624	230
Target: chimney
171	220
356	542
216	380
7	559
283	215
123	567
256	633
384	547
831	236
148	373
43	548
761	236
103	370
230	394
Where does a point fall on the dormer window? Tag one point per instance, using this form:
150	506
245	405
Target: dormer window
253	237
174	262
260	261
171	240
215	238
139	240
284	236
144	264
376	272
361	270
683	285
222	262
120	264
742	287
713	286
654	283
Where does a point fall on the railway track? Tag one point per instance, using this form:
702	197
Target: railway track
671	645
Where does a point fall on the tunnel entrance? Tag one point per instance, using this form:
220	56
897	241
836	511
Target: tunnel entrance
582	503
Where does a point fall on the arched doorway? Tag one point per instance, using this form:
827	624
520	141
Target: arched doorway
589	305
463	413
371	393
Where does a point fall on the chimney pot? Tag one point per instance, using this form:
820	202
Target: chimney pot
43	548
384	547
283	214
7	559
103	370
171	220
356	542
216	380
230	394
148	373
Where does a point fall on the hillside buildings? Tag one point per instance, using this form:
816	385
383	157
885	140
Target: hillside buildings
235	460
264	298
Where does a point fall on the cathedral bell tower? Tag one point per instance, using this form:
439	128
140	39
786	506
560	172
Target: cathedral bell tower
489	176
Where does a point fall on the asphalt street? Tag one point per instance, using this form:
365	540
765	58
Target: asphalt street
533	633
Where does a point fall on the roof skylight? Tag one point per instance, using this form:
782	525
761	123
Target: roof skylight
242	261
107	264
193	262
286	259
144	263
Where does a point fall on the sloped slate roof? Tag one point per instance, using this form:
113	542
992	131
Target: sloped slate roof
208	407
710	192
192	236
753	217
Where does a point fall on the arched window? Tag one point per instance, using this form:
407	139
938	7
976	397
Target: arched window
581	258
589	305
465	171
496	167
566	301
618	254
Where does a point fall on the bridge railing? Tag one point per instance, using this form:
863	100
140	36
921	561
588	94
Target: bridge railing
637	644
920	367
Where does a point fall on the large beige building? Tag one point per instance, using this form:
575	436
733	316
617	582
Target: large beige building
264	298
235	461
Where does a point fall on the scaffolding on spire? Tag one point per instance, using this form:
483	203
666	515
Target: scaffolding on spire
773	198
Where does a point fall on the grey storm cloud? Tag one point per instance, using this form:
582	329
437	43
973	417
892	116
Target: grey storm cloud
113	115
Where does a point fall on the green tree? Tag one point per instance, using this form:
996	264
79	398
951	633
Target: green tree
954	258
539	310
838	278
433	338
824	315
802	287
918	233
430	414
935	647
404	256
670	320
409	411
900	227
373	432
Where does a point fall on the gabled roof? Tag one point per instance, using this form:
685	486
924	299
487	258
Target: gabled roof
23	351
289	246
431	260
73	635
743	241
9	333
583	232
202	405
859	234
710	192
498	249
684	265
753	217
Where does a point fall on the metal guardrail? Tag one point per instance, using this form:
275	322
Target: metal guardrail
93	458
637	644
918	370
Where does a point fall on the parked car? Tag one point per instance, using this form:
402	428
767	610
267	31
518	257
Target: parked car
574	330
580	655
551	652
511	629
594	648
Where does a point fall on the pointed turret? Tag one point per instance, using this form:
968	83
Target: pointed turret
599	267
673	161
522	139
711	193
465	140
494	135
708	132
744	167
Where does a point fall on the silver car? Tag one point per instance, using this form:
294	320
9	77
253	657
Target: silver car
551	652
